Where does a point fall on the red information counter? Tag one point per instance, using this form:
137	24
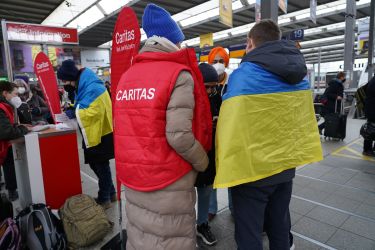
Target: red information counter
47	167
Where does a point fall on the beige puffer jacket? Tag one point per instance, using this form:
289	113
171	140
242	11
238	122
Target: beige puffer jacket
165	219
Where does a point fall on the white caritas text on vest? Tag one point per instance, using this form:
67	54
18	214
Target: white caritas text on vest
135	94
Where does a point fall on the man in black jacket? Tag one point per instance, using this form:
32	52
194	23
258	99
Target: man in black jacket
368	147
333	96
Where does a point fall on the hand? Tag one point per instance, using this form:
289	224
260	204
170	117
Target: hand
339	98
70	113
36	111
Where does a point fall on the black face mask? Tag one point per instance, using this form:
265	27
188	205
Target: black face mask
343	80
69	88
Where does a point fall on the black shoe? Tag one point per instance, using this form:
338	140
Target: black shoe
369	153
204	232
114	197
12	195
105	204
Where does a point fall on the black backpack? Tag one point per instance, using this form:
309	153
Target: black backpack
6	208
40	229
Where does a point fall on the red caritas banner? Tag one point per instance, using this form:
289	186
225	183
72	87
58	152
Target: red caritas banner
125	45
38	33
47	79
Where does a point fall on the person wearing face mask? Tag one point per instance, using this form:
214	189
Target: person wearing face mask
23	111
206	179
9	131
333	96
93	110
219	59
162	135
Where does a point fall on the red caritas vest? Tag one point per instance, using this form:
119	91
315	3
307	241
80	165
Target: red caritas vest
144	159
4	145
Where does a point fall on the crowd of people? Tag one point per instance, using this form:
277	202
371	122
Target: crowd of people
241	130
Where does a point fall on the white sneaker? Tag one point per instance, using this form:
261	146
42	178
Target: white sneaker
293	247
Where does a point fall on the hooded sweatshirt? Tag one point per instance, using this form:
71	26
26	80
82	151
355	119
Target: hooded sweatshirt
267	125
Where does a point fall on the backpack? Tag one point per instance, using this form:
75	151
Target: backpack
4	145
6	208
39	228
9	235
84	221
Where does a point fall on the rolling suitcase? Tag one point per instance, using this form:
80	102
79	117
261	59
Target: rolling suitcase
335	124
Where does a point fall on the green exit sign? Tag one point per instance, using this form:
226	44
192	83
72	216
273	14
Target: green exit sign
3	78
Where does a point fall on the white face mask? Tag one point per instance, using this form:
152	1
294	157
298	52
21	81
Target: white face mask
16	102
220	68
21	90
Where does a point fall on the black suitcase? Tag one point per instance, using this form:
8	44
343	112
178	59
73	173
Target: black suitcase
335	124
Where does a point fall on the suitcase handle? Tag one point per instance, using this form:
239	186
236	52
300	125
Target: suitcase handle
341	108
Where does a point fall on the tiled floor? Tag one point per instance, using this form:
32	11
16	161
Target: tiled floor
332	206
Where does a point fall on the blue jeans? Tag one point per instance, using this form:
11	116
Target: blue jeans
255	207
213	202
106	188
203	204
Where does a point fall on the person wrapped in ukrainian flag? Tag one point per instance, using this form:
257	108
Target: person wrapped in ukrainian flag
266	129
93	110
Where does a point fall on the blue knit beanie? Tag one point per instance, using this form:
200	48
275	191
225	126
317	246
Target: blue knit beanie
68	71
157	21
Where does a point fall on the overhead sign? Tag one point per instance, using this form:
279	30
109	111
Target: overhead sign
283	5
296	35
39	33
125	45
313	5
95	58
225	12
48	83
206	40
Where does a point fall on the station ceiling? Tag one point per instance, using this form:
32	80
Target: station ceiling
101	31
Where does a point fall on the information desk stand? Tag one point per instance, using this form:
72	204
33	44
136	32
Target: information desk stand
47	167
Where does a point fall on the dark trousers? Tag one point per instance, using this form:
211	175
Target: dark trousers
258	206
368	146
106	188
10	171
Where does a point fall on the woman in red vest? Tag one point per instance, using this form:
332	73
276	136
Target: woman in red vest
162	130
9	131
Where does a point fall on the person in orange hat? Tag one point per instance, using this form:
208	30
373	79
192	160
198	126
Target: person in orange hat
219	59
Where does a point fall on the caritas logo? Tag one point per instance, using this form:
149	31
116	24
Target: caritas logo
127	35
42	65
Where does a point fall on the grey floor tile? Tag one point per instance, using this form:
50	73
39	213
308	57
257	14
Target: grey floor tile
300	206
301	181
304	244
342	162
338	175
370	199
323	186
294	217
313	194
341	203
366	210
315	171
348	241
360	226
314	229
362	184
353	194
328	216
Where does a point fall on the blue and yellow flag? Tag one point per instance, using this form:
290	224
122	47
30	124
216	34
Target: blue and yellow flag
93	108
265	126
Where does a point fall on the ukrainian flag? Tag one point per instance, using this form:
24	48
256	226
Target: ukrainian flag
93	108
265	126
